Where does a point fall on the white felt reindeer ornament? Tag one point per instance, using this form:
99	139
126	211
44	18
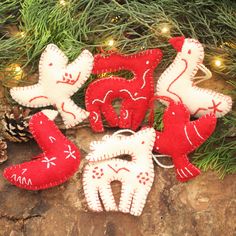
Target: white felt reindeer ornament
177	81
136	175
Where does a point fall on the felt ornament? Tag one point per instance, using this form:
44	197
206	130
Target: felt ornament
180	136
177	81
58	161
134	93
136	175
58	81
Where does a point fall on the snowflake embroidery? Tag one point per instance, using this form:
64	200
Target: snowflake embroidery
49	161
70	153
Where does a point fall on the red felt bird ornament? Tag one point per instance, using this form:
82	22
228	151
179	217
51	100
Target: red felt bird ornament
180	136
56	164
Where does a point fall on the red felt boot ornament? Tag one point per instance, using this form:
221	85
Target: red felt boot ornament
180	136
59	161
135	93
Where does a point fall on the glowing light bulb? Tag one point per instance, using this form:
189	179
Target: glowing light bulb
218	62
16	70
62	2
115	19
165	30
21	34
103	75
110	42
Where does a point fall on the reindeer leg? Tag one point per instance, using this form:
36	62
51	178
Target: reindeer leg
138	116
91	194
110	114
125	116
126	198
95	119
139	200
107	197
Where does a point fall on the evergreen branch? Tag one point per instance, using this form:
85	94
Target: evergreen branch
218	152
87	24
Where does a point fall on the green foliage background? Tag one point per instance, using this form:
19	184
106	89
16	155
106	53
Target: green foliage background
134	25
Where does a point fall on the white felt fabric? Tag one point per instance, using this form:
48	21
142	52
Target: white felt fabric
177	83
136	175
58	81
51	114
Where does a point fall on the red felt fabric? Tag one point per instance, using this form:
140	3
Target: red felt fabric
180	136
58	161
177	43
134	93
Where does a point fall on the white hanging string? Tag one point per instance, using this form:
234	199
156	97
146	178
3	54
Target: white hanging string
207	74
159	163
119	132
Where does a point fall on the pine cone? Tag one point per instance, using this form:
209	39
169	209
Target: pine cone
3	151
16	125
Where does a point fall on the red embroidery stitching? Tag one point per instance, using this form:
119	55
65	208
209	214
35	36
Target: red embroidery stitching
214	107
62	107
69	80
117	171
168	89
38	97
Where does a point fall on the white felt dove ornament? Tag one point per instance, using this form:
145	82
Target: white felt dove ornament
177	81
136	175
58	81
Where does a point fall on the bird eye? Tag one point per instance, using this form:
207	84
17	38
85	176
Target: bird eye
189	51
50	64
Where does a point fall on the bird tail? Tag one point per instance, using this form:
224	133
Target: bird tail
184	169
201	129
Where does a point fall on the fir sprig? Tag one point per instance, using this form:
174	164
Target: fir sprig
134	25
219	151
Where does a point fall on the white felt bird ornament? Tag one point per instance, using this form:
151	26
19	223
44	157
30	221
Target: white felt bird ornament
58	81
177	81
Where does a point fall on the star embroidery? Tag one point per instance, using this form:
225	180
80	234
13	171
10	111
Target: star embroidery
49	161
214	107
70	153
58	81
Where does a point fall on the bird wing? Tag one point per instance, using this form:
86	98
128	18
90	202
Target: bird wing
30	96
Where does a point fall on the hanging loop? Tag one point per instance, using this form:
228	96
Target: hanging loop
159	163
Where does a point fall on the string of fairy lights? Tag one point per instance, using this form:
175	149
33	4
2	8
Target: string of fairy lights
17	72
